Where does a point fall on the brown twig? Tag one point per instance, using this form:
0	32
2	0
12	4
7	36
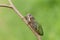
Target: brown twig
21	16
5	5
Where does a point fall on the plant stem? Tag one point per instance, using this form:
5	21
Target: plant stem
5	5
21	16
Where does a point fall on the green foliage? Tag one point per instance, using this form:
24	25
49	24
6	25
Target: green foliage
46	12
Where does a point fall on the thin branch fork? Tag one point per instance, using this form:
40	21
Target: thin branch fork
21	16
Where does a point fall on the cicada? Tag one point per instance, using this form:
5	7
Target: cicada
34	24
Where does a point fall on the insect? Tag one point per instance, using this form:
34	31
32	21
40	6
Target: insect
35	25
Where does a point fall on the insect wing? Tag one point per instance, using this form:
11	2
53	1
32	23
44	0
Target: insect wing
39	29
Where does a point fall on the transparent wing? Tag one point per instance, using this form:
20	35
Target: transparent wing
39	29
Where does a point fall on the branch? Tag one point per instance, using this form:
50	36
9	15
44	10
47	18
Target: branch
15	9
21	16
5	5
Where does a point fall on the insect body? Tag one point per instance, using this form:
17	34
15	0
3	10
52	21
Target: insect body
32	22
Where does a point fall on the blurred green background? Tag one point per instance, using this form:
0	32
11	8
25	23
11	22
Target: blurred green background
46	12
